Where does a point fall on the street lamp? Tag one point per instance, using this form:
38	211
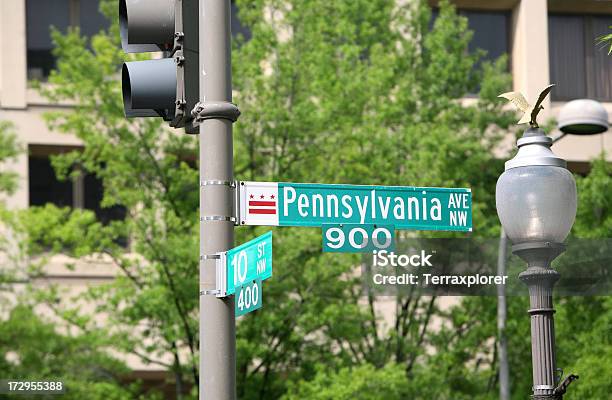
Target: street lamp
536	204
577	117
583	117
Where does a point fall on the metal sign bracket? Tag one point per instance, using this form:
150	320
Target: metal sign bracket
235	217
220	289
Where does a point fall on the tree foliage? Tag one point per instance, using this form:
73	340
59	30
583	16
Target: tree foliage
338	92
33	349
606	40
9	149
594	215
360	383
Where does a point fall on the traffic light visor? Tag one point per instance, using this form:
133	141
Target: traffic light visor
149	87
146	25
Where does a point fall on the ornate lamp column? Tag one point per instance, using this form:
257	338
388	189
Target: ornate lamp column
536	204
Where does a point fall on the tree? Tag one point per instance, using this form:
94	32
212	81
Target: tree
594	215
590	349
30	347
585	321
151	306
606	40
347	97
9	150
360	383
32	350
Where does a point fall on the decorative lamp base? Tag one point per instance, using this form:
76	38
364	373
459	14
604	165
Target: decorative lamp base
540	279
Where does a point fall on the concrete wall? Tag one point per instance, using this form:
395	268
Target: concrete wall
13	55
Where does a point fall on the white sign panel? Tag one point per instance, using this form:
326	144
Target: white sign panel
259	203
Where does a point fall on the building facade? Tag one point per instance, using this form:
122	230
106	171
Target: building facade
546	40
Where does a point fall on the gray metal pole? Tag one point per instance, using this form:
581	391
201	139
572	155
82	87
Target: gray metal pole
217	321
502	345
540	279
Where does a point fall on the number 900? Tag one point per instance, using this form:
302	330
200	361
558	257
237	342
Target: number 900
349	238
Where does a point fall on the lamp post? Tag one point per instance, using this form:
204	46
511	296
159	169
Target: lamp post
536	204
581	117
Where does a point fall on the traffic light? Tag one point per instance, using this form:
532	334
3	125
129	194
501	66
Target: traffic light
167	87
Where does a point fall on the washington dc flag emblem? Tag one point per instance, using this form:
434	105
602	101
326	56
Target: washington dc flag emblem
259	203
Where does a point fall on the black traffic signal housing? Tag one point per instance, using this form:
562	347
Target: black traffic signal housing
167	87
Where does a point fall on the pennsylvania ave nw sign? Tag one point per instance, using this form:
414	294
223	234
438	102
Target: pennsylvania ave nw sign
314	204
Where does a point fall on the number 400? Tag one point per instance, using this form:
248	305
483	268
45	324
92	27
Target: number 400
248	297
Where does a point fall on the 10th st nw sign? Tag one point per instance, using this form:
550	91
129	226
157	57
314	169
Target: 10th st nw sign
314	204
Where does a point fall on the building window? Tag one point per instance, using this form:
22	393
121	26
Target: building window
579	66
91	20
41	15
85	191
491	32
236	25
93	192
44	185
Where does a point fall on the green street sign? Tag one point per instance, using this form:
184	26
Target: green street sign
248	298
358	238
248	262
314	204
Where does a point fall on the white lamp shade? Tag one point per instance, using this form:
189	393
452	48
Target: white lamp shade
583	117
536	203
